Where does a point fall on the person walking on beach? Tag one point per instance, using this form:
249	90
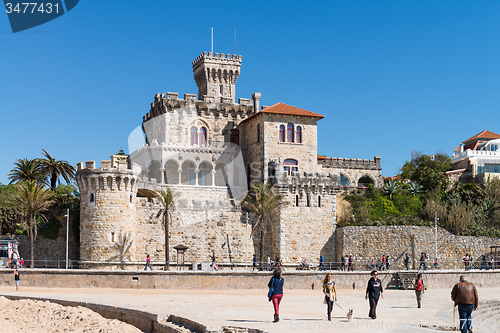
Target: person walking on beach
254	261
330	294
419	289
388	262
14	260
276	283
464	294
407	261
214	264
16	278
373	291
148	263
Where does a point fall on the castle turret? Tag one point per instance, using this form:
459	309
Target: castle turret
216	76
107	211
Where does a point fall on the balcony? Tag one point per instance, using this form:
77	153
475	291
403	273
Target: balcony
474	154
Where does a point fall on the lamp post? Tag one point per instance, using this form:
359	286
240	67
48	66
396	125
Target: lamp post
67	236
246	237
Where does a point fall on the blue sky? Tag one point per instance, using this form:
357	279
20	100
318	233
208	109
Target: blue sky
390	76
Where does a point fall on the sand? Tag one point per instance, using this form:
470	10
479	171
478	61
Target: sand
40	317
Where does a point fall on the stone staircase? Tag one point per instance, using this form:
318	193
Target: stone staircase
406	279
487	317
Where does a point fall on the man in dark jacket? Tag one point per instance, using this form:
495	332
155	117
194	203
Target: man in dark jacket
465	295
373	291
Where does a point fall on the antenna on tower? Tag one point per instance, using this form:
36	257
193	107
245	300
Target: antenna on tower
235	39
212	40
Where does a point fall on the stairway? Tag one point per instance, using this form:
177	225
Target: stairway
406	279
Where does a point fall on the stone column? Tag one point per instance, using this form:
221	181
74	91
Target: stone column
213	177
162	177
196	171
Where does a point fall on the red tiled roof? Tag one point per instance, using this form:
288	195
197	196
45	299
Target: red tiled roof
282	108
484	135
321	157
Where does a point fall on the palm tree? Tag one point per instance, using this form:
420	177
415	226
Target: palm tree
32	199
167	199
55	168
263	202
27	170
391	187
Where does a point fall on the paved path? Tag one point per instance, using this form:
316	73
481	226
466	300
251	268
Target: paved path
301	310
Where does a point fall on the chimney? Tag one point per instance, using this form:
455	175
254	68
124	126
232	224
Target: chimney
256	99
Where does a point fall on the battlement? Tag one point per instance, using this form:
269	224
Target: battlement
163	104
107	167
352	163
216	57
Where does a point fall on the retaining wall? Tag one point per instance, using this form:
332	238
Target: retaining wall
221	280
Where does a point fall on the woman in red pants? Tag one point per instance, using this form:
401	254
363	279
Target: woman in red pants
276	283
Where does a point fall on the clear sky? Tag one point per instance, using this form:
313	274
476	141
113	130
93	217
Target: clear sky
390	76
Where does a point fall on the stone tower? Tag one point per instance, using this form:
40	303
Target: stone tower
216	76
108	195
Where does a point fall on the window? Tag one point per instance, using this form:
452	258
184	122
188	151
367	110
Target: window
493	147
282	133
203	136
131	198
221	89
299	134
91	197
192	177
258	133
308	200
203	178
296	200
194	136
112	237
290	165
319	201
343	181
289	132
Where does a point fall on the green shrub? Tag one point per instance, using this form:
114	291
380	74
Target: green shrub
50	229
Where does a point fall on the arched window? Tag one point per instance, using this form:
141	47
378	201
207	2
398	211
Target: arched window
203	136
282	133
344	183
194	136
290	165
289	132
299	134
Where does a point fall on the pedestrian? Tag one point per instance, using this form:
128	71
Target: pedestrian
330	294
321	263
214	264
373	265
16	278
491	263
21	263
466	261
14	260
342	263
148	263
276	283
351	266
436	264
464	294
483	263
407	261
383	267
254	263
388	262
373	291
419	289
268	268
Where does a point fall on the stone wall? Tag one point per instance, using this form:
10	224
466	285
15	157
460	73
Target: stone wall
353	169
367	243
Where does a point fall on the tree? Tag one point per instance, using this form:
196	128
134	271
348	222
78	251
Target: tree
32	199
263	202
27	170
428	171
55	169
167	199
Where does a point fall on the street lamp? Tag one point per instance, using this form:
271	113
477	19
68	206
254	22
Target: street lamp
67	236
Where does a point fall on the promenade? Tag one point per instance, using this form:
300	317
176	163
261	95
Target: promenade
301	310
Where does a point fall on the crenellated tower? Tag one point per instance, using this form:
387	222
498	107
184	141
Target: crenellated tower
216	76
107	210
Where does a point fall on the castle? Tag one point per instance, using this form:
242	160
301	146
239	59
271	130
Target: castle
208	149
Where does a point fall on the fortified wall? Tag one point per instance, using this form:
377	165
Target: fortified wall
354	169
366	243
